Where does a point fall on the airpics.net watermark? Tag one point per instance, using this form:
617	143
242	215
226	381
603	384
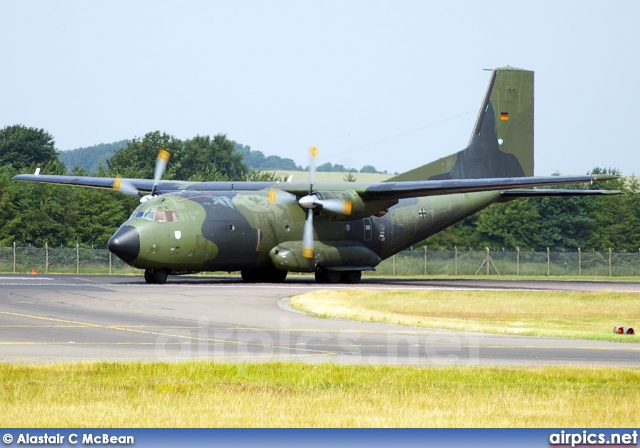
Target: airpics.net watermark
591	438
203	341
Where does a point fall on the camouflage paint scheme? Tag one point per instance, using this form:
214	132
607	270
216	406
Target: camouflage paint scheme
257	227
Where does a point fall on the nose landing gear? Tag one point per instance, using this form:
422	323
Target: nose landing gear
156	276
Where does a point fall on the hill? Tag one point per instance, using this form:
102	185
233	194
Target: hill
89	158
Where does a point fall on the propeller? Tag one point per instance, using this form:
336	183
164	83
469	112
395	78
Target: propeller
307	233
161	164
121	185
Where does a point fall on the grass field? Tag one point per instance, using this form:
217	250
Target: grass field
585	315
210	394
205	394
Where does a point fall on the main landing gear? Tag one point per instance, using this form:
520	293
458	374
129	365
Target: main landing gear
327	276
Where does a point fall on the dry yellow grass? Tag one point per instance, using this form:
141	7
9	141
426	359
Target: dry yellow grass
538	313
205	394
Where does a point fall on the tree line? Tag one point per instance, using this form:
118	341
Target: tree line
91	157
63	216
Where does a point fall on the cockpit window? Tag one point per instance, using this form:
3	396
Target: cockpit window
160	215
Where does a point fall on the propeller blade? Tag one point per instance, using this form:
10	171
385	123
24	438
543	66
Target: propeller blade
307	236
337	206
161	164
308	202
125	187
313	153
280	197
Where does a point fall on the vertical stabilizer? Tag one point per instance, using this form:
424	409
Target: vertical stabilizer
501	144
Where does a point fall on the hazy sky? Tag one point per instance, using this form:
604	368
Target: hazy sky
394	84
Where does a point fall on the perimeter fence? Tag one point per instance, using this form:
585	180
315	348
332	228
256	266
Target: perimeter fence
79	260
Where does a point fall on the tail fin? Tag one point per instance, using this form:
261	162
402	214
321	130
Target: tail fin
501	144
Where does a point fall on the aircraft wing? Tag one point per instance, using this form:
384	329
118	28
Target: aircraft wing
400	190
514	187
143	185
548	192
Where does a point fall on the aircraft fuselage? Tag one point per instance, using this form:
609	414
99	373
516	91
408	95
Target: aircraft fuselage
243	231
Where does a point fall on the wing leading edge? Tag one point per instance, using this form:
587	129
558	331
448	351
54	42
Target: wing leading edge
511	187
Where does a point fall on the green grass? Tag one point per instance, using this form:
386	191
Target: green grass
568	314
208	394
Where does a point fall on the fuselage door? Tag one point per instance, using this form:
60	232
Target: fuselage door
368	229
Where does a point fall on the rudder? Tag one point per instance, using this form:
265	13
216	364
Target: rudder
501	144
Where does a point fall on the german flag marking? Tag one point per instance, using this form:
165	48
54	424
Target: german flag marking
504	116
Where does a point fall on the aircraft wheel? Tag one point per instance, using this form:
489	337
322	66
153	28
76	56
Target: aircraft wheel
276	276
351	277
148	276
326	276
321	276
250	276
160	276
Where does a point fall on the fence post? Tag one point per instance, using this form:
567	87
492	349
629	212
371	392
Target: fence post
609	262
393	261
455	257
14	256
488	259
425	260
579	262
548	262
109	262
77	258
518	260
46	258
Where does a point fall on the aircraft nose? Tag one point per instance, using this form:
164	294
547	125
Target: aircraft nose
125	243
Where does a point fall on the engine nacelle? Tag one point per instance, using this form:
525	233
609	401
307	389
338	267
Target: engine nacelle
347	205
330	254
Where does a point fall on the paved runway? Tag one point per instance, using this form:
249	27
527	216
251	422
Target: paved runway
51	318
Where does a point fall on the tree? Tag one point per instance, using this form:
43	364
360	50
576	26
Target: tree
137	159
615	219
368	169
204	158
512	224
349	177
23	147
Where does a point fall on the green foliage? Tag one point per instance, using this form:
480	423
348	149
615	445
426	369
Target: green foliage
206	159
91	157
23	147
349	177
512	224
257	161
137	160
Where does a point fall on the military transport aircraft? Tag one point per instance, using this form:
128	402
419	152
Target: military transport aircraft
337	230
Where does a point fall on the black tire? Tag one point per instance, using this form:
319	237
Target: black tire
160	276
148	276
326	276
276	276
250	276
351	277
